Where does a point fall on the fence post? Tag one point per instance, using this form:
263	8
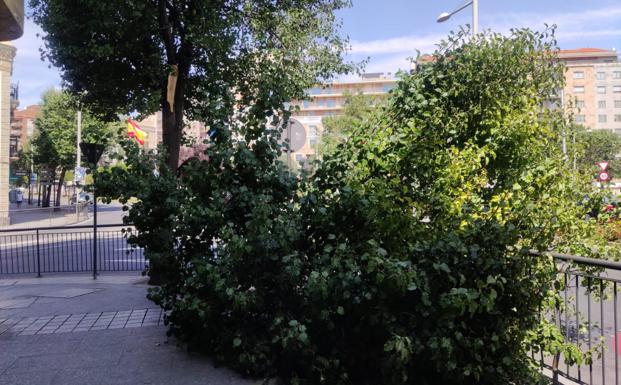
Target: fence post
38	256
94	234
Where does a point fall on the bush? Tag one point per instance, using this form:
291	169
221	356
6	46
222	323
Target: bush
403	259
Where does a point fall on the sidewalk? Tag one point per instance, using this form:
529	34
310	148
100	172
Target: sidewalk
33	216
75	330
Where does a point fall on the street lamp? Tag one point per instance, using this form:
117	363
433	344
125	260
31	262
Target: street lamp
444	16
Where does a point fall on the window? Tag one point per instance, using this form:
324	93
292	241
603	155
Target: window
617	118
601	118
315	91
13	145
617	103
312	136
388	87
601	104
578	89
616	75
331	103
616	89
579	118
578	75
306	104
601	89
618	131
580	103
600	76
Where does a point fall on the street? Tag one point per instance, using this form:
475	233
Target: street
69	249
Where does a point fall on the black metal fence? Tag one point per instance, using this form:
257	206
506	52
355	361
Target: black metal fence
67	249
588	317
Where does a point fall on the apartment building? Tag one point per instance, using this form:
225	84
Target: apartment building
593	86
329	100
22	127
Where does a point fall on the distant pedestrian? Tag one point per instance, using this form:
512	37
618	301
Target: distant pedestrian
19	197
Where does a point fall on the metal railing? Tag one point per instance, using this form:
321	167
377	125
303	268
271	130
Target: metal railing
67	249
588	317
46	216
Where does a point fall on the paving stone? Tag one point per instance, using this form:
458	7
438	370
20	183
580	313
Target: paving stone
68	293
17	303
28	378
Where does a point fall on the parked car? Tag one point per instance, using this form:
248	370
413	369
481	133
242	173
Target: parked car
84	197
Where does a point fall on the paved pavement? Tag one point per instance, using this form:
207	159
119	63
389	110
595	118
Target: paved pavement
73	330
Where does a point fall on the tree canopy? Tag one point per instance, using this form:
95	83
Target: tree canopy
594	146
54	143
195	58
404	258
336	129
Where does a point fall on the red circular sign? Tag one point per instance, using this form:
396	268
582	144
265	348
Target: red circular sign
603	176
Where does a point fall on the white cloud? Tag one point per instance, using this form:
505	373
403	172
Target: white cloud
32	74
391	54
423	43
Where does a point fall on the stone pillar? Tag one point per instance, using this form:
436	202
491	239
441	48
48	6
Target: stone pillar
7	53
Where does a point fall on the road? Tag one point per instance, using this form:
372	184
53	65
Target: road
70	249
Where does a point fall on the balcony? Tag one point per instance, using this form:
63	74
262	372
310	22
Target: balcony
11	19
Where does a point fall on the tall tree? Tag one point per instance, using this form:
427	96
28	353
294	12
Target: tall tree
204	59
598	146
358	108
54	143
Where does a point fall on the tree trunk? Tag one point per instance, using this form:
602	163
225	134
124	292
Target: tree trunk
60	186
172	128
47	192
43	189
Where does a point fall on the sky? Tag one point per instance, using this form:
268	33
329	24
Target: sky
387	32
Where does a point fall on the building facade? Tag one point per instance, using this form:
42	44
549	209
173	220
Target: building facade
593	87
22	127
7	53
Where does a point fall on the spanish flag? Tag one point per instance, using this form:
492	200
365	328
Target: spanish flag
133	131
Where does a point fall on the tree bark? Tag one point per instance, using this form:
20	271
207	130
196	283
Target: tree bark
171	134
43	196
60	186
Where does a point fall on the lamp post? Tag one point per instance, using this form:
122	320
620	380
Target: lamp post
92	152
78	163
444	16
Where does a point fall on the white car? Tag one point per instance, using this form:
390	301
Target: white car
84	197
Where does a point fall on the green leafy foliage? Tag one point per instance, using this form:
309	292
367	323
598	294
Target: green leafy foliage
598	146
54	144
404	258
258	53
358	108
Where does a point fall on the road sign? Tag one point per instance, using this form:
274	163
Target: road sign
295	134
79	173
33	178
603	176
603	165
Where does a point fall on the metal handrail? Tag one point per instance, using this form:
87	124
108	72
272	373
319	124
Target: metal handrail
583	260
63	227
34	209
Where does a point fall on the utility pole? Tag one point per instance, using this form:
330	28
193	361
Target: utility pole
475	17
78	163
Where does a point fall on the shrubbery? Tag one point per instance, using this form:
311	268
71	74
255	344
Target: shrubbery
403	259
